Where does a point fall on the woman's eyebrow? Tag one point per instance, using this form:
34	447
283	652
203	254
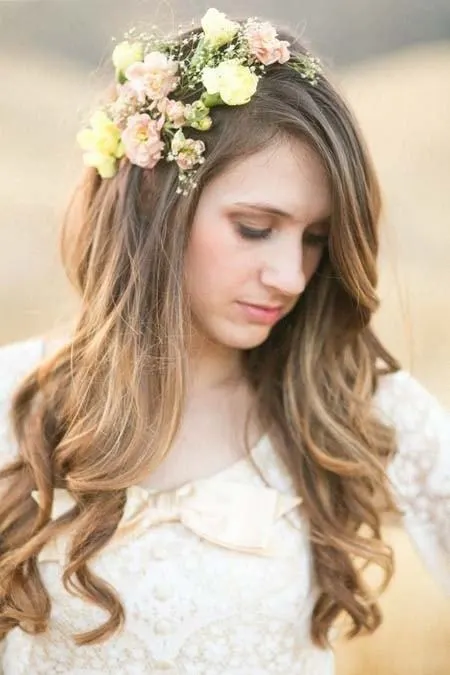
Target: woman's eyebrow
264	208
274	211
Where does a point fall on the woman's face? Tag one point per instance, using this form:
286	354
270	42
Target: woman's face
258	235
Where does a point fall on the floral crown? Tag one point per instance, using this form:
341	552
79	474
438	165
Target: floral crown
221	64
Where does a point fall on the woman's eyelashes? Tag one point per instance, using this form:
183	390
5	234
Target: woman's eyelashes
251	233
248	232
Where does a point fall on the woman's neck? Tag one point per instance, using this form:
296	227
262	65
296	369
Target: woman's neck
214	367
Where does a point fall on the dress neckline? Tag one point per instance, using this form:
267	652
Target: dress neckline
252	456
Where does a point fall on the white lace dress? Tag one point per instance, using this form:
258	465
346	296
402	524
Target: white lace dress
216	577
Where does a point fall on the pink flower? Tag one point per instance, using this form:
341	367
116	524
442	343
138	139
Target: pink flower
155	78
264	44
174	111
125	105
190	154
186	151
142	140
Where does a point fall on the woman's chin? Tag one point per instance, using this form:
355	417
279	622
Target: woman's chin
243	337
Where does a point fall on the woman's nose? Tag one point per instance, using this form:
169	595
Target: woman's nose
283	269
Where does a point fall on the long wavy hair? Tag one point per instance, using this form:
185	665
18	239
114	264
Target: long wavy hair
101	413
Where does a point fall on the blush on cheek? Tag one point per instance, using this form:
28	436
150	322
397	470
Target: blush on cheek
214	250
208	242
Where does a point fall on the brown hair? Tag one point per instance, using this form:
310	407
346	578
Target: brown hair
101	413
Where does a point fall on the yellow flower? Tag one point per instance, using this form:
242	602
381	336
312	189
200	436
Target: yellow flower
102	144
105	165
126	53
217	28
234	82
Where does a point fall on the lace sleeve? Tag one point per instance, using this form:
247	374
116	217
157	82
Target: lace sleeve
420	471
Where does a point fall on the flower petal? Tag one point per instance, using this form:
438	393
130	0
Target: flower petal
211	80
86	139
105	165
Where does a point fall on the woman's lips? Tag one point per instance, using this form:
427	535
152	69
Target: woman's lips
261	314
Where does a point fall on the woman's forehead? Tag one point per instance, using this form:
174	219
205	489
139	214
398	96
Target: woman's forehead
287	178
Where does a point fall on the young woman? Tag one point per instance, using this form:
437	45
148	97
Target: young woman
193	481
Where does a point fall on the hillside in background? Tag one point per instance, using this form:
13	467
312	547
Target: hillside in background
344	31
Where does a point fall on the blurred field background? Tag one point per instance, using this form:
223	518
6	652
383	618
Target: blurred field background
392	61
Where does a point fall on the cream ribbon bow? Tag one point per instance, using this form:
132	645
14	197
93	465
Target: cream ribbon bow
234	515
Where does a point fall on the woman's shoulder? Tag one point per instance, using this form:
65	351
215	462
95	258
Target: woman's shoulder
19	357
404	401
16	360
421	465
420	419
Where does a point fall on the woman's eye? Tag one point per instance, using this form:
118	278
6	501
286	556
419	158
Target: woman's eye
312	239
247	232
